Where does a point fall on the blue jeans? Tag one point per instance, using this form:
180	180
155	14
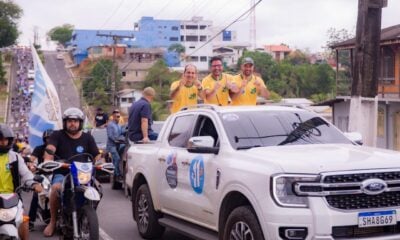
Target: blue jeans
153	136
116	159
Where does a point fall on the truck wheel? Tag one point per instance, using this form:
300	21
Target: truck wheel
146	216
242	224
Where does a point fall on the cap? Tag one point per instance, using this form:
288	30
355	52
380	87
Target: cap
115	111
99	109
247	60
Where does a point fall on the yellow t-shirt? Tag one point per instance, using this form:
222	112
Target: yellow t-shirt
186	96
222	95
6	181
249	94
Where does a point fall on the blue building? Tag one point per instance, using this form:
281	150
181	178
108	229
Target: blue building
152	33
83	39
148	33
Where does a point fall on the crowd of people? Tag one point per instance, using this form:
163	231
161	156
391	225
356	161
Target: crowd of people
21	94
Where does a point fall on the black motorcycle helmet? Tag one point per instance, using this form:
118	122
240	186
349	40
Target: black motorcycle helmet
47	134
73	113
6	132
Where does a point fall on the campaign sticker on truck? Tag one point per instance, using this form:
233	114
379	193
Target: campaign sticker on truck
197	174
171	173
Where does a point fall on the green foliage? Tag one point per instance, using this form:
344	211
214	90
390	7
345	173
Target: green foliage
297	57
2	71
62	34
10	13
97	87
160	78
176	47
293	77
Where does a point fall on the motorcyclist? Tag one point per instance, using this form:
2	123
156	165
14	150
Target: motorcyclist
114	136
13	171
64	144
37	158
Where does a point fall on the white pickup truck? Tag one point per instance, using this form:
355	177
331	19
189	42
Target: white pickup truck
262	172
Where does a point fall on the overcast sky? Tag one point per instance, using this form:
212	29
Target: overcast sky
301	24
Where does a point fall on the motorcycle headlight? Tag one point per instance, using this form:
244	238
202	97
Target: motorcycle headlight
7	215
84	177
283	189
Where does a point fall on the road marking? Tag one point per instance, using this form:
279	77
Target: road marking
104	235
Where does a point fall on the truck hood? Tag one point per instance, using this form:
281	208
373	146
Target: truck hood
317	158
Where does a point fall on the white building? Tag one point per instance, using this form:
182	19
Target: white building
194	35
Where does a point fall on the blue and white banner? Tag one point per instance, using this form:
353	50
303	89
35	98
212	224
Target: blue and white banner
45	106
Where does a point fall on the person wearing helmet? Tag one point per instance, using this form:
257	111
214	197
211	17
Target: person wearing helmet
63	144
37	158
13	170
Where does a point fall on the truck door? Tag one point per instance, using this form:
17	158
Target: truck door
199	176
171	155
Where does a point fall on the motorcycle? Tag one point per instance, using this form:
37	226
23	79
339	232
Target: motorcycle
43	209
80	195
11	212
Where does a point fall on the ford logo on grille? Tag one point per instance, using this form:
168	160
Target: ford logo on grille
373	186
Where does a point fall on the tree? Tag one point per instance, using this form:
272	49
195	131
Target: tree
176	47
97	86
62	34
160	78
297	57
2	72
10	13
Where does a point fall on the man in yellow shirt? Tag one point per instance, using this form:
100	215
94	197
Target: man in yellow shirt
250	86
217	85
14	172
185	92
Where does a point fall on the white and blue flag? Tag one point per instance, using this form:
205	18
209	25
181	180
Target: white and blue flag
45	106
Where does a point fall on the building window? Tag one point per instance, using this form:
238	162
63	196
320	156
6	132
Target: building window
192	47
203	59
192	27
182	27
192	38
174	28
203	26
203	38
123	73
387	66
173	39
182	38
194	58
136	73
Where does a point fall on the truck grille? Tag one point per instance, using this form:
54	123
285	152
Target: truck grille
348	232
364	201
355	190
359	177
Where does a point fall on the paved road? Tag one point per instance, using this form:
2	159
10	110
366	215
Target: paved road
67	92
115	218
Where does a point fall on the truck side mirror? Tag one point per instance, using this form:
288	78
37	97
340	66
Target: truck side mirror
202	144
355	137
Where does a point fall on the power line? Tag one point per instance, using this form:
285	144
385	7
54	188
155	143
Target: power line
236	20
112	14
130	13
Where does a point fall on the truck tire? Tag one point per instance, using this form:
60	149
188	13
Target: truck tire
242	224
146	216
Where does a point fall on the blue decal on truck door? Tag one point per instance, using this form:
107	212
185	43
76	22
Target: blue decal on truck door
197	174
171	173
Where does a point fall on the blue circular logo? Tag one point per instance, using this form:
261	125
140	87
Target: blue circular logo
79	149
197	174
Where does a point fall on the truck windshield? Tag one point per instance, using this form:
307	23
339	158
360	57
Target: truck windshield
273	128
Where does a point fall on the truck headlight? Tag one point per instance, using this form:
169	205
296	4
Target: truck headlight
283	189
7	215
84	177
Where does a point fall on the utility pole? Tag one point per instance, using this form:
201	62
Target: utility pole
364	102
253	37
116	38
